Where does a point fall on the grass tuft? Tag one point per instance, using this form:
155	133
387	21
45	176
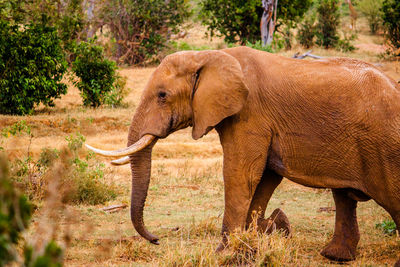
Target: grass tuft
136	251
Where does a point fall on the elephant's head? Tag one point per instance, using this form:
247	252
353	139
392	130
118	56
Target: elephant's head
197	89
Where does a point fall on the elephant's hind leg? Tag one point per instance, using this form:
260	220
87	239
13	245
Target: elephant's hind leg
343	245
278	220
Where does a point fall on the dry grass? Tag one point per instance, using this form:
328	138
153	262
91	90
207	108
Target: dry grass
185	202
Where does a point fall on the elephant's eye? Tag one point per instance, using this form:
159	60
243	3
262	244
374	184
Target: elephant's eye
162	95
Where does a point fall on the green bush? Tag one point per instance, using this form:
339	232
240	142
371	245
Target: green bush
345	44
99	81
259	46
387	226
239	20
391	18
372	11
32	65
306	29
82	180
141	27
327	23
86	178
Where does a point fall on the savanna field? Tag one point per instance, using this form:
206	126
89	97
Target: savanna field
185	202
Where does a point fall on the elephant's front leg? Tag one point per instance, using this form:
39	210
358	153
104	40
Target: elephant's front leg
345	239
243	169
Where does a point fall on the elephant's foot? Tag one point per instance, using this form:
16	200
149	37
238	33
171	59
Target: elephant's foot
224	242
339	251
221	246
278	221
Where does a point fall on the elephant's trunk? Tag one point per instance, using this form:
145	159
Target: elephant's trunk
141	168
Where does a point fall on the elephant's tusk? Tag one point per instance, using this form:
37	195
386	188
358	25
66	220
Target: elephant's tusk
121	161
139	145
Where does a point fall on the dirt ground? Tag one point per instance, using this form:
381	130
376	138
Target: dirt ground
185	202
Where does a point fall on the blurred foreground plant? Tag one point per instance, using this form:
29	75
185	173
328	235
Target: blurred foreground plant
83	177
15	214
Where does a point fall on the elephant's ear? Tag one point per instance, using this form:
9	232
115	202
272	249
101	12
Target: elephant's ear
219	91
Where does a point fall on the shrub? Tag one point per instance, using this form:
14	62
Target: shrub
99	81
388	227
259	46
372	11
141	27
327	23
345	44
239	21
306	30
391	18
82	180
32	65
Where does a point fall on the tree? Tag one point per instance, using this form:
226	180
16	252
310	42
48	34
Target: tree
268	19
239	20
391	18
372	10
67	16
327	23
141	27
32	65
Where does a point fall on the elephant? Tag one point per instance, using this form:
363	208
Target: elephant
331	123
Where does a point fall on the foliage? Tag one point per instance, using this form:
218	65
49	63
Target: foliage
372	10
183	46
15	213
86	177
52	256
32	65
388	227
141	27
289	12
18	128
239	21
83	179
391	18
99	81
13	11
345	44
67	16
72	26
259	46
118	92
327	23
306	30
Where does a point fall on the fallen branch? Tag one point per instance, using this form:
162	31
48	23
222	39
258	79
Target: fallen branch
306	54
114	208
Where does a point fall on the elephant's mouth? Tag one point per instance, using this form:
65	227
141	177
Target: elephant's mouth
171	124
